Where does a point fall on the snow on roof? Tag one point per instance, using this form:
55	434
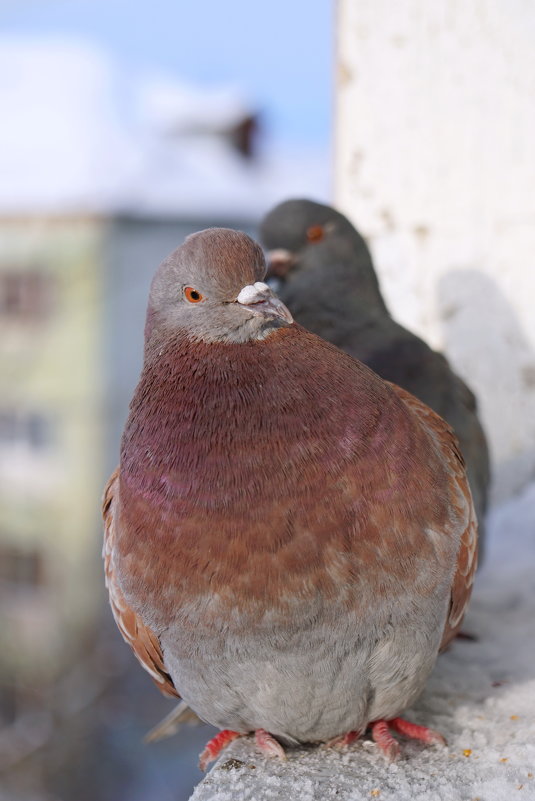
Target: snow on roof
174	107
79	136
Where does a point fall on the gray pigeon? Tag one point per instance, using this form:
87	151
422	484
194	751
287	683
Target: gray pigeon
322	270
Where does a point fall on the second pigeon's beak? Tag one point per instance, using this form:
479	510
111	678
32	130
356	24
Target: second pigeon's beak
280	261
259	299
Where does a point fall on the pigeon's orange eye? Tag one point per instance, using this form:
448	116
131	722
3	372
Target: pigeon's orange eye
315	233
193	295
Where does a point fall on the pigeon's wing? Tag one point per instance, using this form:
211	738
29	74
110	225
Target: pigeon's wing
401	357
462	582
463	576
140	638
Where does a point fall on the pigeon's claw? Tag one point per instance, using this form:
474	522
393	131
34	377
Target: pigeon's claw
390	747
269	746
214	746
415	732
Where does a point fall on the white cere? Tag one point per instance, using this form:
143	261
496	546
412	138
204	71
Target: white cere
252	293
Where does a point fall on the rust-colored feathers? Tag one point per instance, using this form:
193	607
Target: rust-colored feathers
466	563
139	637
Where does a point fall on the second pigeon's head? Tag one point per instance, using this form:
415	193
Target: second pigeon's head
312	246
211	289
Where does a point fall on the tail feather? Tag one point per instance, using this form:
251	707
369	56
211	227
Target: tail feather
171	723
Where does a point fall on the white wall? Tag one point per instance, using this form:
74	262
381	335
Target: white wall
435	163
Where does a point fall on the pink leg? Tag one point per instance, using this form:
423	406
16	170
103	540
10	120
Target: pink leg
343	739
265	741
387	744
381	735
416	732
268	744
214	746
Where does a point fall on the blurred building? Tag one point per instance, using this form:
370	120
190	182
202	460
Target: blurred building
51	434
100	178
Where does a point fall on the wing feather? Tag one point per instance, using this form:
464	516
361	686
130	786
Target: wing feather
463	577
140	638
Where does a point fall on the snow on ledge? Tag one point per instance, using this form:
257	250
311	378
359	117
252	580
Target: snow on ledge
481	696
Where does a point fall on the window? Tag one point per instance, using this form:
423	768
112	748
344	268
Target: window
21	567
29	429
25	294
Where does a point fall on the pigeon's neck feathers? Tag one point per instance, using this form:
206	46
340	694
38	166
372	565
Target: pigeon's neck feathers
350	266
355	285
205	414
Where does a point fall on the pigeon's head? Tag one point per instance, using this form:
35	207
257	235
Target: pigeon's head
312	247
211	289
296	231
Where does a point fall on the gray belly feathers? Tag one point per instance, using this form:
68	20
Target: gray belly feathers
323	674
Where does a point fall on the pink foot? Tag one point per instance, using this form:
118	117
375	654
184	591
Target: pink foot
343	740
381	735
416	732
265	741
390	747
268	744
214	746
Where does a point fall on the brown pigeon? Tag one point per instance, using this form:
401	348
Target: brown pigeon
315	248
289	539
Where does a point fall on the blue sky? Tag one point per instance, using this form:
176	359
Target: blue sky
279	51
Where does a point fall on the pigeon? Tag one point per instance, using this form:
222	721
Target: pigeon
314	247
289	539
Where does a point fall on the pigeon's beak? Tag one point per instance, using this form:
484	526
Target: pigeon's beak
259	299
279	261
